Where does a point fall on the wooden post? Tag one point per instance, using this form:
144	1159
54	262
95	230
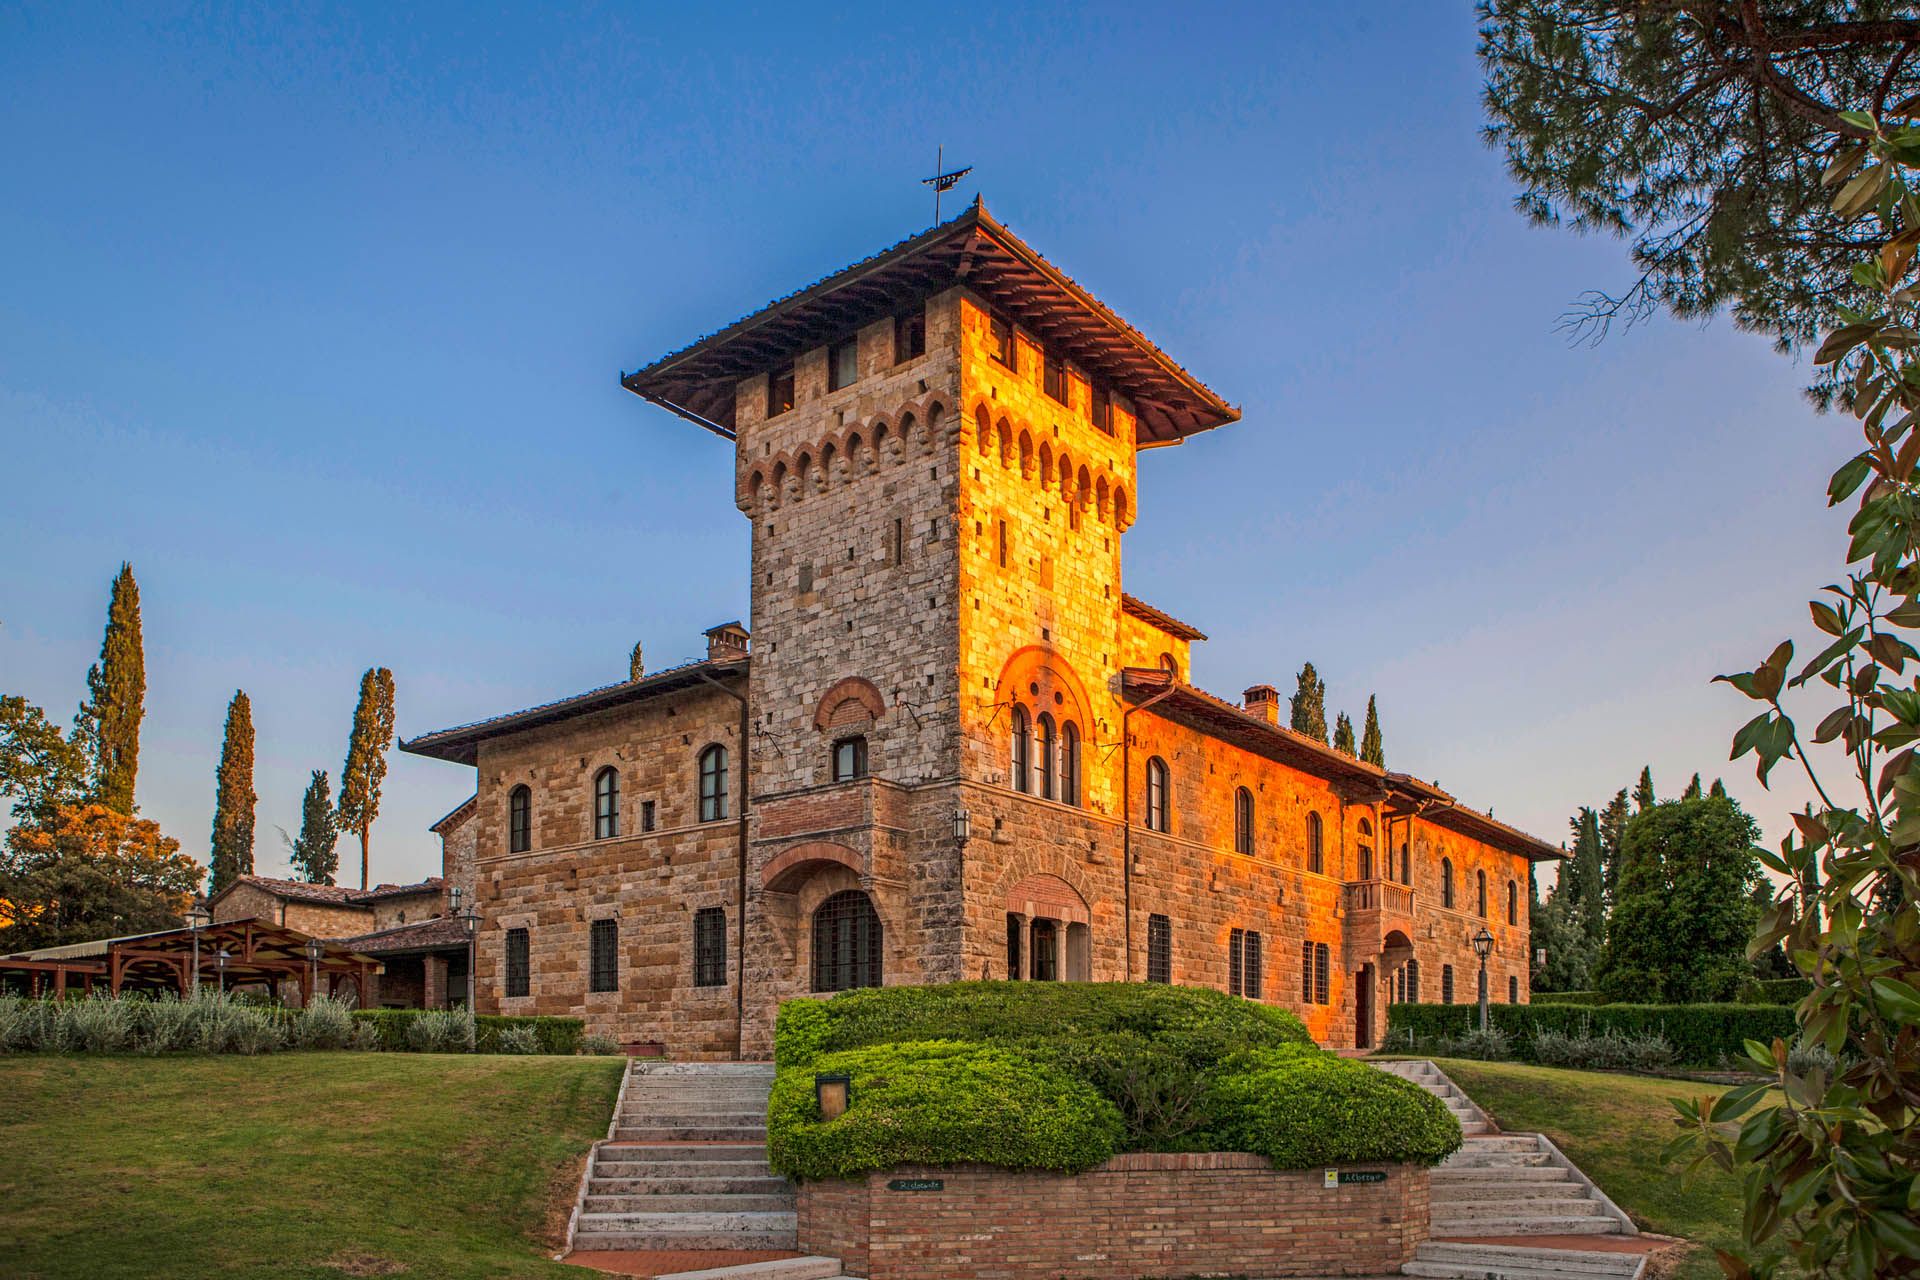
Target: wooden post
59	984
113	978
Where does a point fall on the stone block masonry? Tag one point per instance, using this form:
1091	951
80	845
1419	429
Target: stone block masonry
1134	1217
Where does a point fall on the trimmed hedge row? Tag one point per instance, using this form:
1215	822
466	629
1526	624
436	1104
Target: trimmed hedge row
1787	991
1568	997
1701	1034
1061	1076
555	1035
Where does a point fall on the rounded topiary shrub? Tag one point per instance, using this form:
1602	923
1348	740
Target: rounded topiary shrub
1307	1108
939	1103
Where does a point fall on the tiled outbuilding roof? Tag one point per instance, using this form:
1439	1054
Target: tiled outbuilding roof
439	934
329	895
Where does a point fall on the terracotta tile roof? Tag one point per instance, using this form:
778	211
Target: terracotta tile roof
1135	607
461	744
329	895
423	935
460	811
432	884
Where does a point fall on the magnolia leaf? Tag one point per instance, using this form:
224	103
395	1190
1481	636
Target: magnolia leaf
1899	999
1829	728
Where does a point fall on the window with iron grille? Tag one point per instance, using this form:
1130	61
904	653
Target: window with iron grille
1306	973
1021	745
1159	949
1070	763
846	943
710	947
603	956
910	335
779	391
1014	931
1243	963
1236	945
1482	878
1005	347
1043	744
519	820
713	783
1446	883
1513	990
1446	984
1316	850
606	803
519	969
1157	818
1243	821
843	364
1322	973
1413	982
1045	952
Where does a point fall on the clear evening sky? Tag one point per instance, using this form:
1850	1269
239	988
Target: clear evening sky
317	318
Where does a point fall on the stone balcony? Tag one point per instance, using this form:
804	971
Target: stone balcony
1376	909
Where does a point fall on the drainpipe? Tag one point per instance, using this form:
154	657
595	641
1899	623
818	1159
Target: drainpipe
740	891
1126	817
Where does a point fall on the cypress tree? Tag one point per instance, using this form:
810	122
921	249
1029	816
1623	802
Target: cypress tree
108	725
234	798
366	766
1613	832
1693	789
1585	874
315	856
636	665
1719	789
1643	797
1370	749
1343	734
1309	705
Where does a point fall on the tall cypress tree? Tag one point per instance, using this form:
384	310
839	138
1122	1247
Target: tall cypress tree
1371	749
1309	705
1719	789
108	726
636	663
1343	734
366	766
315	855
1693	789
234	798
1643	797
1585	874
1613	833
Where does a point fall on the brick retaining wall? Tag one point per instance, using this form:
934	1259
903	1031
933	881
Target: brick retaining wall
1136	1216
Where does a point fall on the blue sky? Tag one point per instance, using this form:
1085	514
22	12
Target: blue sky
316	315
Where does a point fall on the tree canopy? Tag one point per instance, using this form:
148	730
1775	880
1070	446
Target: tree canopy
315	856
1308	706
1343	734
89	872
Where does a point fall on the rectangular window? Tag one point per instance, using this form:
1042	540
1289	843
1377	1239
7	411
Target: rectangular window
1043	956
646	815
1003	544
910	335
1322	973
849	759
1236	958
603	956
1102	409
779	391
899	540
1446	984
843	364
1053	377
710	947
1006	348
1250	967
1306	973
1159	949
1014	931
519	967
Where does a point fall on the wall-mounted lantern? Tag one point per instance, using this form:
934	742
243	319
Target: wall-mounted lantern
832	1091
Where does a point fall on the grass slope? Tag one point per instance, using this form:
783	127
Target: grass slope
1613	1127
310	1165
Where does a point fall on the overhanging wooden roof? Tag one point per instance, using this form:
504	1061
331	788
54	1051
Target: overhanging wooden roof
1135	607
698	382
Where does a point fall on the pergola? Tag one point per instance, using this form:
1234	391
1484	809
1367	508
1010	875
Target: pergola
254	951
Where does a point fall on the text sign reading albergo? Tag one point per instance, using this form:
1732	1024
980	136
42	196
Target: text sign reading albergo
918	1184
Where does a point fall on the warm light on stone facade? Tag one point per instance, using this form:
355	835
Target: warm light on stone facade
936	559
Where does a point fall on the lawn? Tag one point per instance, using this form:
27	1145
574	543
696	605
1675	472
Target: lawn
1613	1127
313	1165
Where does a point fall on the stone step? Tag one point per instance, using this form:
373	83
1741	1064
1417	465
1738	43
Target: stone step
700	1070
1500	1259
719	1118
1505	1142
779	1269
1455	1209
1500	1271
683	1169
1559	1225
756	1133
1507	1188
683	1150
653	1184
772	1202
1468	1158
667	1231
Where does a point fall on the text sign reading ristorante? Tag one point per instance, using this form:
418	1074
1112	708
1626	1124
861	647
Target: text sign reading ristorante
1346	1177
917	1184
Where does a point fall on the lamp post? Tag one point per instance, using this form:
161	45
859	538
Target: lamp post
223	969
1483	947
197	918
314	950
471	919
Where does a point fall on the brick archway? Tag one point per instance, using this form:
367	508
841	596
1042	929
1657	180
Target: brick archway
1049	896
787	870
855	689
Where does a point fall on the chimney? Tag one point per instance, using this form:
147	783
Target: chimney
1263	700
726	642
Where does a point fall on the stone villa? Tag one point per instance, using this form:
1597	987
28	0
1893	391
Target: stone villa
954	746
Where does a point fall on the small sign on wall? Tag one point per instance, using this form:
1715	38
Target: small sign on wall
917	1184
1363	1175
1333	1179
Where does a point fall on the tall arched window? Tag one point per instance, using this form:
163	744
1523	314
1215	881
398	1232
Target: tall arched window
606	803
1482	878
1243	821
1365	850
1316	845
713	783
1446	883
846	943
1070	763
1513	902
1043	746
1157	817
1022	745
520	819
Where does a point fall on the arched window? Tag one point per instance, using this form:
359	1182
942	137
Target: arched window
849	759
846	943
1513	902
1157	795
606	803
1365	850
1316	845
1043	747
1243	821
713	783
1481	876
1022	745
1446	883
1070	763
520	819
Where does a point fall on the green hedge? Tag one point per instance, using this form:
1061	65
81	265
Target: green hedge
556	1035
1568	997
1304	1108
940	1103
1701	1034
1787	991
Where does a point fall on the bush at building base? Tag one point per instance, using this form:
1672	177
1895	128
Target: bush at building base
1169	1068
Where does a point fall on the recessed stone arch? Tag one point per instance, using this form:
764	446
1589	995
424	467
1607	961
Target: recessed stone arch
1045	668
1047	895
790	869
855	689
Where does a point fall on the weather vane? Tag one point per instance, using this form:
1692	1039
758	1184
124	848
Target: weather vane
942	181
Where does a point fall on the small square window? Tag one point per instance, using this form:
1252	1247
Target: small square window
1102	409
909	335
1053	378
646	815
779	391
849	759
1005	346
843	364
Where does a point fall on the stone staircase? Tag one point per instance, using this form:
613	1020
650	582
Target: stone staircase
684	1166
1471	1260
1472	1119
